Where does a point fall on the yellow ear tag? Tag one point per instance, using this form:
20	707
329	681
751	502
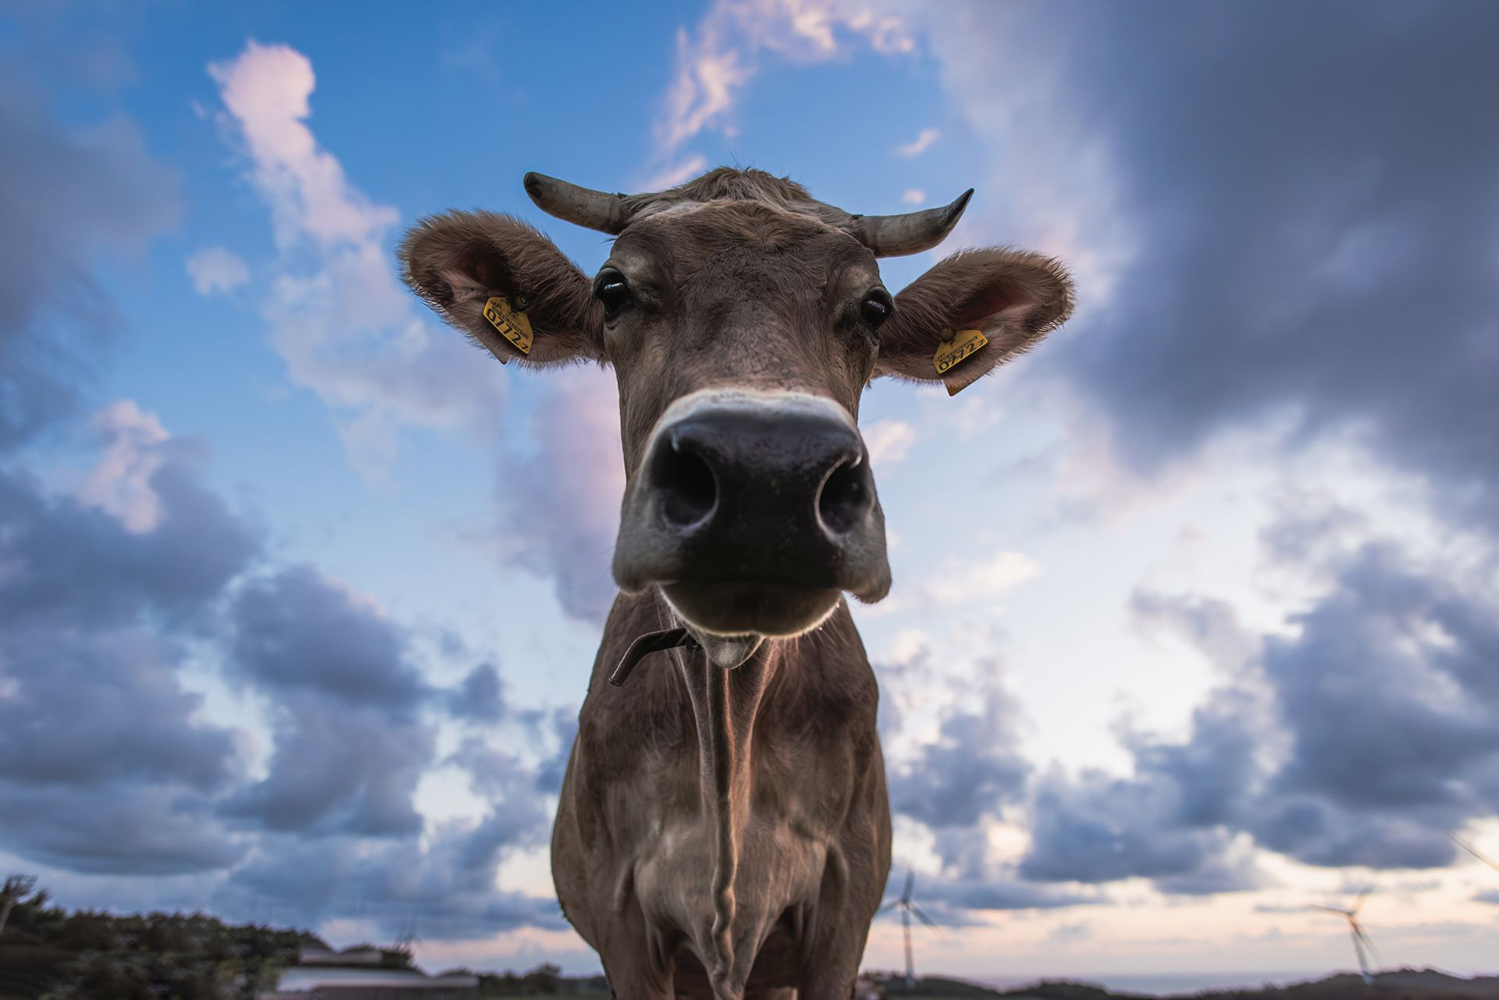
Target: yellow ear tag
513	325
951	352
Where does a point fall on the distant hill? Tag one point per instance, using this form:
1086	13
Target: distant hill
1404	984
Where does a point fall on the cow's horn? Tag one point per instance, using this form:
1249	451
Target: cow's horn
913	232
579	205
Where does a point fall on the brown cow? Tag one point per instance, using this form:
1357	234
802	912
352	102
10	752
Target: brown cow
724	827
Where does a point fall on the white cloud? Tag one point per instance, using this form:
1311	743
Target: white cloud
983	579
960	581
920	144
564	499
707	76
888	440
718	58
677	173
120	484
1049	181
339	317
266	90
216	270
913	196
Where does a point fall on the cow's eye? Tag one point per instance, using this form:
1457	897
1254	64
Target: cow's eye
613	291
876	307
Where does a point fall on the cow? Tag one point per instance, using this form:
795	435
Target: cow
723	828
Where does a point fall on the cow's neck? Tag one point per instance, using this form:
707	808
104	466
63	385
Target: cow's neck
725	704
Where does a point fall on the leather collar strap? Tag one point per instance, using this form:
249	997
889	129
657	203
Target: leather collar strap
651	642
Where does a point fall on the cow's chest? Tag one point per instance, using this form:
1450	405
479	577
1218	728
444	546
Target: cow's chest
780	835
776	836
777	868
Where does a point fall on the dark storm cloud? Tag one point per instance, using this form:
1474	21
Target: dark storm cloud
1313	200
71	562
957	786
973	769
510	785
446	890
1368	738
297	630
91	710
107	769
350	747
1223	872
1389	698
1101	829
96	694
124	828
1308	203
480	697
339	769
104	766
952	896
63	198
396	886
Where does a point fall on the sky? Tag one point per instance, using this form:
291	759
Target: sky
1195	623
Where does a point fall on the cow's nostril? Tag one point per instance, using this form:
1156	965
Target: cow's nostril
845	497
687	488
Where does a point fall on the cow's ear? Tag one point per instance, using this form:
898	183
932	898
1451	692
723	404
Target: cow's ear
1011	296
459	261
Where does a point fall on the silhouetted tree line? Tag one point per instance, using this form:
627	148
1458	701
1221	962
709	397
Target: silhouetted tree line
49	953
543	979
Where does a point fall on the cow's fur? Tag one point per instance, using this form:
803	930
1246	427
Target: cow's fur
724	833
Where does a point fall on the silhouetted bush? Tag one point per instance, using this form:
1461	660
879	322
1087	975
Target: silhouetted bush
47	952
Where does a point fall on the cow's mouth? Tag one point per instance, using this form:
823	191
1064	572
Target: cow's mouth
740	607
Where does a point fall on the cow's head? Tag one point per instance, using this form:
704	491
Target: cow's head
743	320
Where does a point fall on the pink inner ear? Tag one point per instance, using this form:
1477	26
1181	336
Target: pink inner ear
465	288
1003	301
1006	323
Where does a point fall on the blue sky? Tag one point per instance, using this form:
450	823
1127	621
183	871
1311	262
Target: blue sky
300	592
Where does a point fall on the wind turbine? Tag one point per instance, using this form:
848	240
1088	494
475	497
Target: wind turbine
908	909
1362	946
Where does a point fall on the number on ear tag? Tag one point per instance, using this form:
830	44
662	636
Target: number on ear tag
513	325
959	348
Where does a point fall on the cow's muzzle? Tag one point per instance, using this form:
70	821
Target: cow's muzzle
753	512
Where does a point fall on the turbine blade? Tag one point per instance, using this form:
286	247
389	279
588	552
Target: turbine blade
929	921
1363	959
1358	903
1367	943
1477	854
910	881
887	905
